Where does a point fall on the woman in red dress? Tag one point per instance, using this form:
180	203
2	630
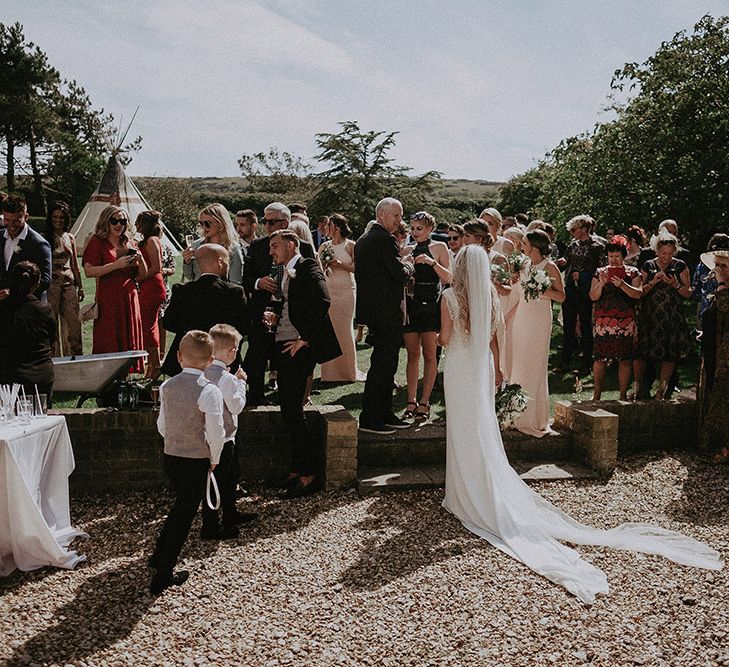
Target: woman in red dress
152	291
112	258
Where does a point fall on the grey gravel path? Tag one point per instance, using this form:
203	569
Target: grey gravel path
391	580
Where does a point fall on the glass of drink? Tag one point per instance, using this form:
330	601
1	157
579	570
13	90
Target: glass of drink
269	318
25	410
41	405
189	240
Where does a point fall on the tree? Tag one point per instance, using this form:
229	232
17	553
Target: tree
361	172
175	199
275	171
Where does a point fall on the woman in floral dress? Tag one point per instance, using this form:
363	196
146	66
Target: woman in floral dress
663	333
615	290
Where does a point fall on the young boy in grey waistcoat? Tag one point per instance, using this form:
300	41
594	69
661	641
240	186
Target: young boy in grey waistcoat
191	423
226	340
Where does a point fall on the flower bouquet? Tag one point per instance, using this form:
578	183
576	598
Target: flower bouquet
500	274
517	261
536	284
326	254
511	401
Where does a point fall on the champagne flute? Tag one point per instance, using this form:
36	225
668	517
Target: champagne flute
268	318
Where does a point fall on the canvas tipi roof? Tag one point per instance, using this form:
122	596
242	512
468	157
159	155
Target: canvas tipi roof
115	188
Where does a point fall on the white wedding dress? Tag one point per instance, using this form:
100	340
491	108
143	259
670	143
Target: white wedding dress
484	492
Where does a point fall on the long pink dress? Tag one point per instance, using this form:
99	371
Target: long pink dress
531	332
341	311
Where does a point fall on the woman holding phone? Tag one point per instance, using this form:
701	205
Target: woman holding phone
615	290
663	333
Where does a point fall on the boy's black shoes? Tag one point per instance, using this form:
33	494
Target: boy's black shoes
161	582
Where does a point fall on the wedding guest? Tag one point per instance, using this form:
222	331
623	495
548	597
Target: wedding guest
205	302
246	223
66	288
522	221
152	291
663	333
455	240
27	332
493	219
714	381
532	332
262	281
615	290
226	341
422	309
217	227
191	422
304	337
297	208
584	255
637	241
113	259
337	259
321	233
507	222
19	242
440	233
671	227
169	266
301	229
704	281
381	275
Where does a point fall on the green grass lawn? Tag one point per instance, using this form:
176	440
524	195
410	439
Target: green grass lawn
349	395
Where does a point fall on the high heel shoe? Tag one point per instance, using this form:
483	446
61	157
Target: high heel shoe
662	387
422	416
409	414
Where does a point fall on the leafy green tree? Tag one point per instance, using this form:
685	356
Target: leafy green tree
275	171
361	172
175	199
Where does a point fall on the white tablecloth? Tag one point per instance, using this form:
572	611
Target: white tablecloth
35	522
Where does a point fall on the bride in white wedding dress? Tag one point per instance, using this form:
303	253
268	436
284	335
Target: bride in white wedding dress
484	492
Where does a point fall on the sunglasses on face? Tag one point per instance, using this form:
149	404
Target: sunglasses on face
118	221
273	221
453	238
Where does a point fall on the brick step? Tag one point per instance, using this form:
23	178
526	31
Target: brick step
384	479
426	444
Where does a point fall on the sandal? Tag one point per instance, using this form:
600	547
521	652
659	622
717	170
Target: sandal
421	417
409	414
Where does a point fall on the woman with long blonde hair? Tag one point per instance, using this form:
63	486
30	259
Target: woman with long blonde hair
215	226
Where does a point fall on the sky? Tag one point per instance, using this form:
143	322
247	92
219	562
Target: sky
477	89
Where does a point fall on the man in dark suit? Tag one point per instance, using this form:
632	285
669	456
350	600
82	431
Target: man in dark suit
263	282
304	337
381	276
19	242
321	233
205	302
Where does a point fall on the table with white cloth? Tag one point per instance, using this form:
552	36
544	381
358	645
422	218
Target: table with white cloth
35	522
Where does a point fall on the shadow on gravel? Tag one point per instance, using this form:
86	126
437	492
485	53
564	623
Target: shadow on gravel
704	498
106	609
426	534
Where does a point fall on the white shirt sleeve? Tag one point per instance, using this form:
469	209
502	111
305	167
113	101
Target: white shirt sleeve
234	392
211	403
161	416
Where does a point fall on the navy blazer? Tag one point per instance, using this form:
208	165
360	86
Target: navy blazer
34	248
381	277
308	299
202	304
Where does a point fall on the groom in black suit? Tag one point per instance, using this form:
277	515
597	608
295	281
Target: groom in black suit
381	276
19	243
205	302
262	285
304	337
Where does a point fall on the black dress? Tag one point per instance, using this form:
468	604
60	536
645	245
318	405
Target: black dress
422	300
27	332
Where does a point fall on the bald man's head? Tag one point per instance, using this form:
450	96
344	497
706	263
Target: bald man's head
213	258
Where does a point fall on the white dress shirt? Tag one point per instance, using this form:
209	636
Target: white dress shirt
11	244
234	392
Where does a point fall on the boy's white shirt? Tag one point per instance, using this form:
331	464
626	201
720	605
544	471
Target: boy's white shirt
210	403
233	390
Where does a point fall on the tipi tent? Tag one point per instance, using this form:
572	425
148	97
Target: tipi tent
115	188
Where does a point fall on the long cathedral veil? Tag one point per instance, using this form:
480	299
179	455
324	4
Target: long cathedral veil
484	491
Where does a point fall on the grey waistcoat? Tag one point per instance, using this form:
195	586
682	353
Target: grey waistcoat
184	421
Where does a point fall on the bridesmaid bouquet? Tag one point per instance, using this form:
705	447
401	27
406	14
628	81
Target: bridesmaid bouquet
500	274
511	401
517	261
536	284
326	254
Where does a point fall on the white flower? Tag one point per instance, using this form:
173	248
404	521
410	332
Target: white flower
17	249
292	273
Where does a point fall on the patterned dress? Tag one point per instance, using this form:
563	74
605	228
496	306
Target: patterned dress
663	333
614	325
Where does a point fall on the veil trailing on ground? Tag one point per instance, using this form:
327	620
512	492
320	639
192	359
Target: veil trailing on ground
482	489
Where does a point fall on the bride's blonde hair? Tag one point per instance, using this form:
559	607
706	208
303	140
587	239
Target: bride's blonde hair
459	284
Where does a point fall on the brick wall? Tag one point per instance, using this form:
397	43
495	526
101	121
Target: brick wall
120	450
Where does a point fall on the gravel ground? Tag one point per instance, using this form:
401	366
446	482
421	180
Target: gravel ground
392	580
